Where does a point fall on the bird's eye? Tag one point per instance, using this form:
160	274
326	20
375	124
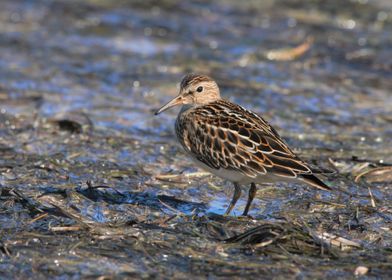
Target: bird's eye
199	89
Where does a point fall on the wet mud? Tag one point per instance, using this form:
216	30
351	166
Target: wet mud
93	185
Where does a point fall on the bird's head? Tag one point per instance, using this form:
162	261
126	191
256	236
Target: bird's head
195	89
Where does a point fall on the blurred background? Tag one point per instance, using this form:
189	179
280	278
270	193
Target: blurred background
80	80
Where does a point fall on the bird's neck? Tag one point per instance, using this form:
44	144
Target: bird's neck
186	107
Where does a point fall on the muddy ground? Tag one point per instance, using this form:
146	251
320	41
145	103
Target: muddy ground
93	185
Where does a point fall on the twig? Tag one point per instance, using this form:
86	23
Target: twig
62	229
169	207
372	201
38	218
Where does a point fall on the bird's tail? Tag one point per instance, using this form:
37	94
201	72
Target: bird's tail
314	182
321	170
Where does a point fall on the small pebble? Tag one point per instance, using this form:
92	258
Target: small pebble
361	270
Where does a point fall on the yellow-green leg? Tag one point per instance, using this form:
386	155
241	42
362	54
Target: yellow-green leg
236	196
251	196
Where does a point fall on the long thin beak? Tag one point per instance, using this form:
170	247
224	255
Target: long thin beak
174	102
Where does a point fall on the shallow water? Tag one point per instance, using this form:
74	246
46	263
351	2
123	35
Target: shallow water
93	184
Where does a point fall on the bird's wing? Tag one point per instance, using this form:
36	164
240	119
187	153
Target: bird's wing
225	135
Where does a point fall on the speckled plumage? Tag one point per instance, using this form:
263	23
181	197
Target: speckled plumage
232	142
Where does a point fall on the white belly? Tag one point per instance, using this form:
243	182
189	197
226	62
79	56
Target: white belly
240	178
237	176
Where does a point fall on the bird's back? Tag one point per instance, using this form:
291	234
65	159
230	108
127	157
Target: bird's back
226	136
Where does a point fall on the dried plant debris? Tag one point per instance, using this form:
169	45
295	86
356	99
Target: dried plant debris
288	54
293	239
73	122
376	175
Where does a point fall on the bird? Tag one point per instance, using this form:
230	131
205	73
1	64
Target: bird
234	143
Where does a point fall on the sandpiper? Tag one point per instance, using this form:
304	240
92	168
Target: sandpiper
232	142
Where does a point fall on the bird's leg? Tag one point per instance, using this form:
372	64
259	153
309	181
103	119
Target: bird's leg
252	194
236	196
